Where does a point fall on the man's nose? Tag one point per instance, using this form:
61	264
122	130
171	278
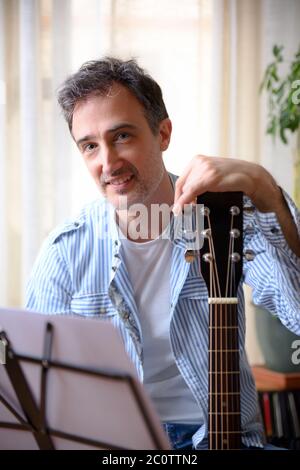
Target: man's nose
108	159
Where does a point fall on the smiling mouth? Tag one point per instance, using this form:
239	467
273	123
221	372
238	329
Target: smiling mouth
121	181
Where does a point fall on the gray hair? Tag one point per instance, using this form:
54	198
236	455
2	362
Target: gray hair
95	77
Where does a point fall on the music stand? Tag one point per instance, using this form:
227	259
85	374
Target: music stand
68	384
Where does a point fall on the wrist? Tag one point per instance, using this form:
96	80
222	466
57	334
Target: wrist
267	195
273	202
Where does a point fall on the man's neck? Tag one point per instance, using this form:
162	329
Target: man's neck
153	224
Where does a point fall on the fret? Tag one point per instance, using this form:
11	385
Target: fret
222	300
227	372
223	350
222	327
226	432
221	413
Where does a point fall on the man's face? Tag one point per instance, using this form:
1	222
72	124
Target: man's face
122	154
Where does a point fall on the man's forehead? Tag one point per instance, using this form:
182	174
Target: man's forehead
116	99
116	106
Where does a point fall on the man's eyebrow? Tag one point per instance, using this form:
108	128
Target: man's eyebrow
115	128
121	126
85	138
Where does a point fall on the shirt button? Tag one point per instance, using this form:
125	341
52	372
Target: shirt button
102	310
274	230
126	316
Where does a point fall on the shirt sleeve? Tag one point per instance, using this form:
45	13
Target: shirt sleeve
274	274
49	288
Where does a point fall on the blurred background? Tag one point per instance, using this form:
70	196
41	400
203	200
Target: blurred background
209	56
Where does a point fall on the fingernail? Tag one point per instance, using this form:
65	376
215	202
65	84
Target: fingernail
176	209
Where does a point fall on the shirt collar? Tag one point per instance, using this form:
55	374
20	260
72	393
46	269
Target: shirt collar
176	233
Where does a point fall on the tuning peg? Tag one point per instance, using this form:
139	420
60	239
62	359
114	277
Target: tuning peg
204	211
235	233
206	233
235	257
249	255
207	257
249	210
234	210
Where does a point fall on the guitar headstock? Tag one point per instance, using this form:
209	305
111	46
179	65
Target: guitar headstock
221	257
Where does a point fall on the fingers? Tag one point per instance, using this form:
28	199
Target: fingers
189	192
178	189
181	181
217	175
188	185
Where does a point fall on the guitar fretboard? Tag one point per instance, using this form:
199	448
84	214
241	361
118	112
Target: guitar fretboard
224	380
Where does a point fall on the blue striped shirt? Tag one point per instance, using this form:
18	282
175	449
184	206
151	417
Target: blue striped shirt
80	270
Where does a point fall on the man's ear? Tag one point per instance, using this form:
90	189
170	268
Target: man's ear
165	131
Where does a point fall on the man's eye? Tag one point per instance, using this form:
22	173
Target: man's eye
89	147
122	136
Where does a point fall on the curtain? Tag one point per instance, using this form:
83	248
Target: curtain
207	55
35	150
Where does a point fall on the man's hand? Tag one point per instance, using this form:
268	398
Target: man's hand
227	174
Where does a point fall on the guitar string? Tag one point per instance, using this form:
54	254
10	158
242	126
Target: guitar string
211	376
213	288
236	354
232	311
234	347
228	345
227	349
229	276
215	291
232	340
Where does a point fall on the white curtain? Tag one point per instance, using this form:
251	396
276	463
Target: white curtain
208	56
29	126
3	207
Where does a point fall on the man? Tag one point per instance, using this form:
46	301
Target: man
144	286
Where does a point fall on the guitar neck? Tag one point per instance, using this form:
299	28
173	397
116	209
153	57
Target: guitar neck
224	378
221	268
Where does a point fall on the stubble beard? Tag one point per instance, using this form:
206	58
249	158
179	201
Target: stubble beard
144	187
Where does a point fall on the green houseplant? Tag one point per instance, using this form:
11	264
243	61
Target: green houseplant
283	93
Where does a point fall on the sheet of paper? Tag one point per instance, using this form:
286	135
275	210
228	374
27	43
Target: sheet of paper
91	406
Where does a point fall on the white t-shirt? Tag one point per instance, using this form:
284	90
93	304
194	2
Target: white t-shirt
148	265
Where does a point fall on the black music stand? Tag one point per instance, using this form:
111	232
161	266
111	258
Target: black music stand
31	413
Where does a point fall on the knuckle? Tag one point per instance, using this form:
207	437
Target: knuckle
200	158
189	188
